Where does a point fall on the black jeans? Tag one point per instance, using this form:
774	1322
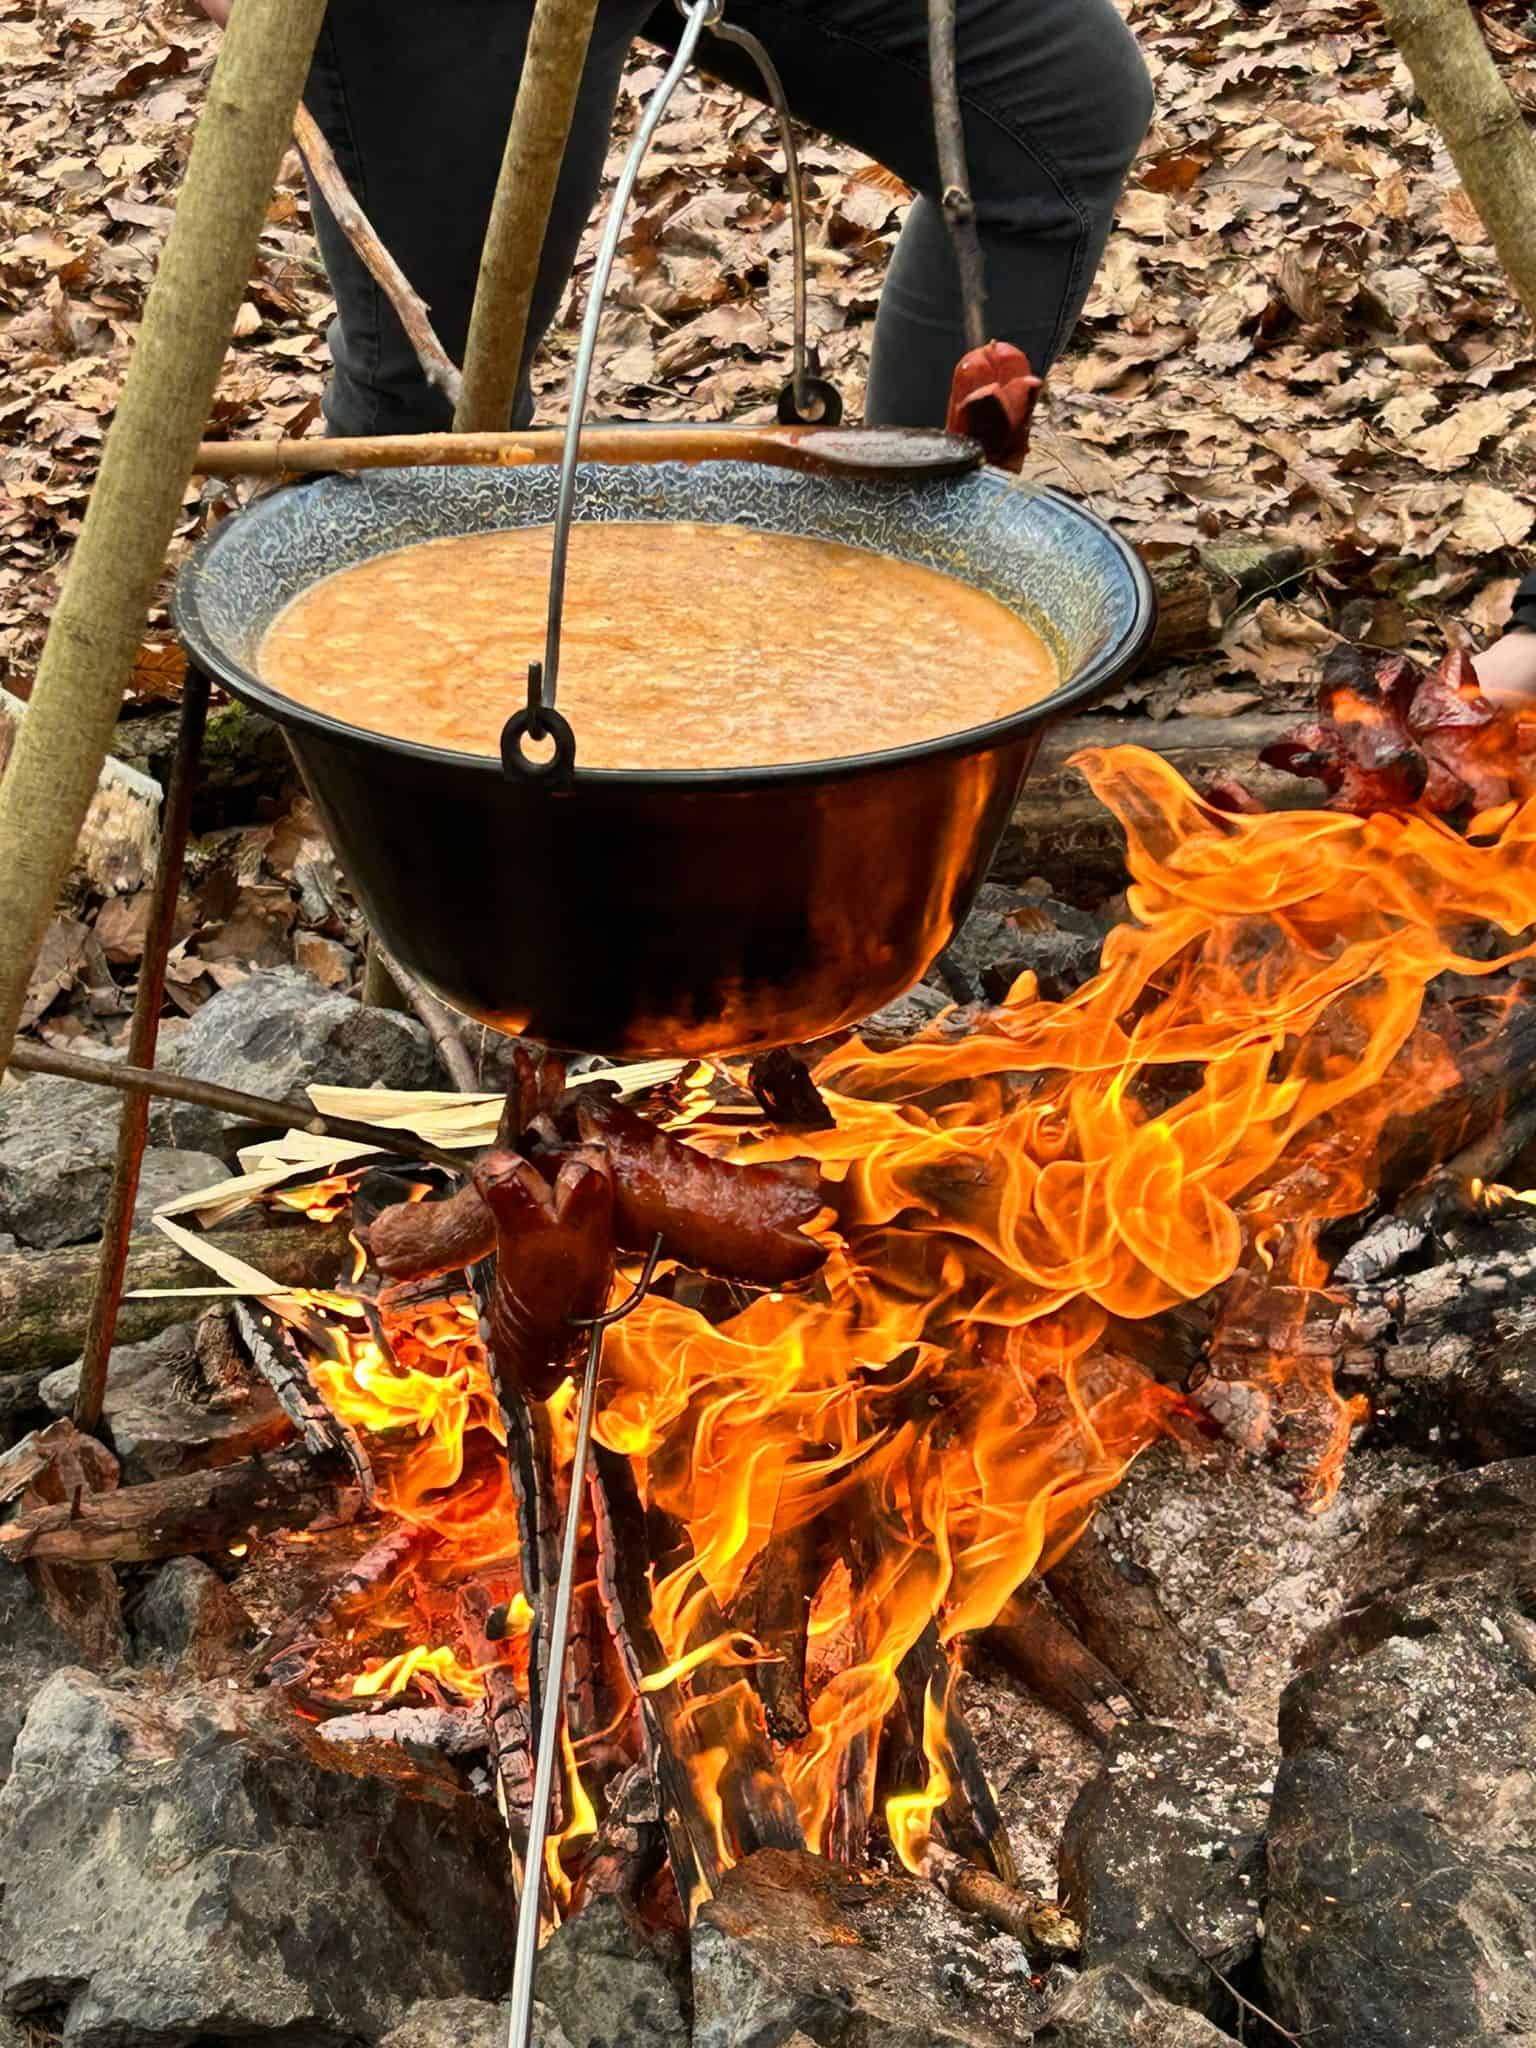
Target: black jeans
415	99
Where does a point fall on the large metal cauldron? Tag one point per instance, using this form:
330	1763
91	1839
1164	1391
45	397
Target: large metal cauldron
664	911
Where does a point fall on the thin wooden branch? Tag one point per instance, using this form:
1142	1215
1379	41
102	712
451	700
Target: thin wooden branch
189	1514
1484	129
970	1817
137	499
437	366
525	191
277	1361
439	1020
261	1109
143	1037
954	176
1045	1928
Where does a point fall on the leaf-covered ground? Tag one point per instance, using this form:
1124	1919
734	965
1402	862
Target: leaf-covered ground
1299	331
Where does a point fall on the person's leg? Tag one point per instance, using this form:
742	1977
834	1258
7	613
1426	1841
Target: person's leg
415	101
1055	101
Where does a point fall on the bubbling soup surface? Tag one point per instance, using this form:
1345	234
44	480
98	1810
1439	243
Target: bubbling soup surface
684	646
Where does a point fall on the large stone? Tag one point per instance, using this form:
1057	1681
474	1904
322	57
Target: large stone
278	1031
1011	930
158	1414
1162	1859
58	1140
190	1621
1108	2009
610	1984
794	1945
34	1646
181	1868
464	2023
1402	1843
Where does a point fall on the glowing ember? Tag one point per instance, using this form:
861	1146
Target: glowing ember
1016	1191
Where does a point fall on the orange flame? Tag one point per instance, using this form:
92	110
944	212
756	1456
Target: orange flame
1016	1191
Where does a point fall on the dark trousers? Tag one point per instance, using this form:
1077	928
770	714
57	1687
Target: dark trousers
415	96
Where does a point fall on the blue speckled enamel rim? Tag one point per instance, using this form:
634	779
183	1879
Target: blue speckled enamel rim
1041	553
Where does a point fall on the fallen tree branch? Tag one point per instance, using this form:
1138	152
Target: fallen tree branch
188	1514
439	1020
437	366
45	1297
1044	1927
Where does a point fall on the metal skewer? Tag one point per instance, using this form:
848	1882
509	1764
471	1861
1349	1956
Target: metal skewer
526	1947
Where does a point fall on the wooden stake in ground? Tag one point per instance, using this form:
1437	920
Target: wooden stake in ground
525	192
1493	150
241	137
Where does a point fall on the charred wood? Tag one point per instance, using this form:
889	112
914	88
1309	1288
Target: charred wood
451	1732
630	1846
1449	1191
379	1567
272	1354
786	1094
1115	1611
191	1513
972	1823
1032	1641
774	1605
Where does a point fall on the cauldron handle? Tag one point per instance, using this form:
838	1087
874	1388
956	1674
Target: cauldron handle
807	399
534	722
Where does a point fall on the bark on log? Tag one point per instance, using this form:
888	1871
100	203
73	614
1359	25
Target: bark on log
1484	129
45	1296
191	1513
1030	1640
525	192
1116	1613
97	623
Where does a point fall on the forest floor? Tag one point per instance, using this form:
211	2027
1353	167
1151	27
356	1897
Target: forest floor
1300	330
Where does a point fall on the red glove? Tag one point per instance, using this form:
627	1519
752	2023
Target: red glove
992	399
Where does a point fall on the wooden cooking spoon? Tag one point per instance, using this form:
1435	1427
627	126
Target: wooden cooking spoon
895	454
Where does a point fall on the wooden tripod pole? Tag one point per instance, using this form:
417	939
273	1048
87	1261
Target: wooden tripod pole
240	140
1492	148
525	193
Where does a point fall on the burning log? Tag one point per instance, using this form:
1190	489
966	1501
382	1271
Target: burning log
1115	1611
508	1726
970	1816
774	1605
1030	1640
630	1845
269	1349
451	1732
379	1567
191	1513
45	1296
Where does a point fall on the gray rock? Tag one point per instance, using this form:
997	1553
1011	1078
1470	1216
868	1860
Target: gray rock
792	1943
1402	1842
1009	930
190	1618
34	1647
464	2023
276	1032
22	1408
158	1414
609	1984
180	1869
58	1140
908	1015
1108	2009
1170	1835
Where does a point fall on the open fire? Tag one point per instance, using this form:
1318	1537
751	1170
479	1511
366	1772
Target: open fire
818	1493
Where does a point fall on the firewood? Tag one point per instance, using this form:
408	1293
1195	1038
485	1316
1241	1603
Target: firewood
775	1606
241	135
1030	1640
192	1513
1449	1190
45	1296
782	1083
508	1729
1044	1928
970	1818
630	1845
452	1732
398	1551
1115	1611
273	1356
